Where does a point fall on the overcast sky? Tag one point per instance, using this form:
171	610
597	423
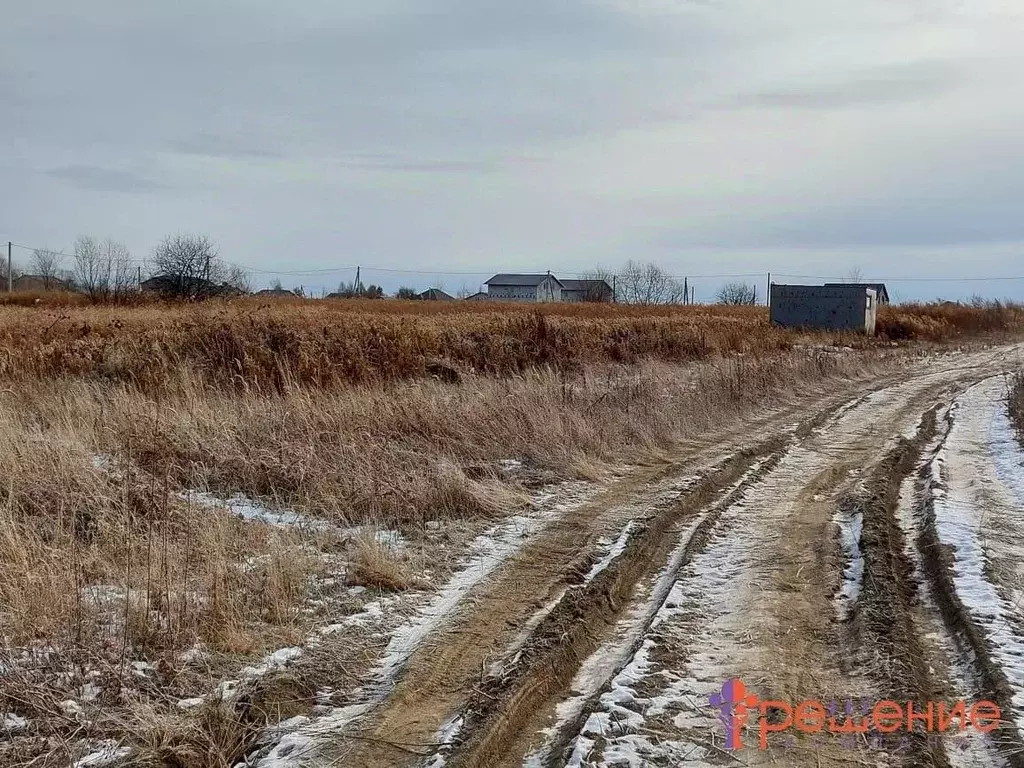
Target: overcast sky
805	137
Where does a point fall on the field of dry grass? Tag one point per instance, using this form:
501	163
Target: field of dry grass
281	345
187	488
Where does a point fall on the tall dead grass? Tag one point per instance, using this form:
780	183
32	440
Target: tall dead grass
245	345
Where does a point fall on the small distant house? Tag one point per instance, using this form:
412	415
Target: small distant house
881	294
544	287
479	296
40	283
836	307
586	290
276	293
184	286
435	294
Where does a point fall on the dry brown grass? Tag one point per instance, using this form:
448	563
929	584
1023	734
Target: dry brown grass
380	565
250	346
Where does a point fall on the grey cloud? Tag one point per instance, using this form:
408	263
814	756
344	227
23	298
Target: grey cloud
222	145
105	179
890	85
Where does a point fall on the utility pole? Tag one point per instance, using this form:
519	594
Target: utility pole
10	277
139	276
355	286
768	291
615	293
693	291
686	290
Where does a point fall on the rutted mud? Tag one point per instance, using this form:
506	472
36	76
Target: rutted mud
734	568
571	632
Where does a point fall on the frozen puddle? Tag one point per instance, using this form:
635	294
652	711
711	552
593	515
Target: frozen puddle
978	490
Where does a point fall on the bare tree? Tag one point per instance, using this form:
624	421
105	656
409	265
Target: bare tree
738	293
236	279
647	284
46	264
103	270
855	275
189	267
600	285
405	292
91	277
121	274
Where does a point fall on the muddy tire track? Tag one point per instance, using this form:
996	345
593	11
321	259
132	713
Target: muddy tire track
886	625
573	630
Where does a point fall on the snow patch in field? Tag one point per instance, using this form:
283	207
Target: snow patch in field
12	723
108	753
242	506
276	660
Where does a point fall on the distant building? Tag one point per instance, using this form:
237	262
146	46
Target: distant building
435	294
837	307
586	290
479	296
276	293
183	286
39	283
879	288
504	287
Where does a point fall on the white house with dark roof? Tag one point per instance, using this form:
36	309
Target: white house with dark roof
544	287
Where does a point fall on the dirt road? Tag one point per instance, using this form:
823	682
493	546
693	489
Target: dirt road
857	546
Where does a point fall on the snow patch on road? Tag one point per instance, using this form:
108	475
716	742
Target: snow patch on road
616	549
851	524
976	508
